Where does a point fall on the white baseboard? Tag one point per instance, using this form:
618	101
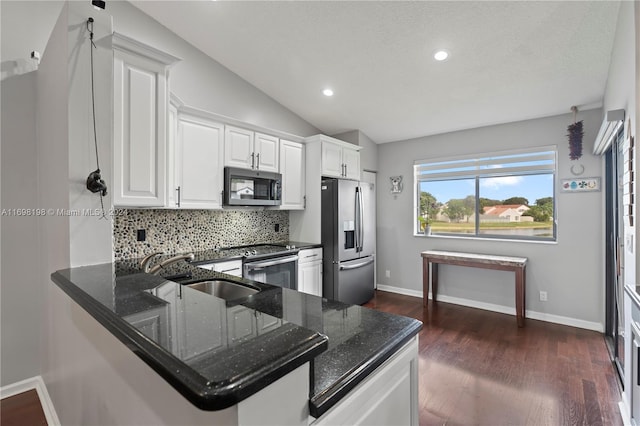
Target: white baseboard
38	384
556	319
624	412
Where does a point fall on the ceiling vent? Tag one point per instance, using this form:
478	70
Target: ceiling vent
609	129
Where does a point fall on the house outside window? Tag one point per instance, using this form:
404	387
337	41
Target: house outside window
508	194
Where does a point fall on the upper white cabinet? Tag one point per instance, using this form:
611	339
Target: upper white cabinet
246	149
266	151
197	163
140	105
339	159
292	158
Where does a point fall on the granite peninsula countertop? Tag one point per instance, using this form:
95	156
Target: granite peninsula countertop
189	337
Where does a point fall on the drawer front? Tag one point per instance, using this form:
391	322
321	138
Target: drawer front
310	255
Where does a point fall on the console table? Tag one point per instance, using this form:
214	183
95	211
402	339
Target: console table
486	261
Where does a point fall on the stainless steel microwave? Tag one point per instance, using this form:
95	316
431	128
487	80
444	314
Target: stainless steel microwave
244	187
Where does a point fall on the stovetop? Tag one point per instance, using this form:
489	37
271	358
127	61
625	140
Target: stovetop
258	251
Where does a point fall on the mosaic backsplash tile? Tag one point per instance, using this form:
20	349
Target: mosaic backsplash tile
179	231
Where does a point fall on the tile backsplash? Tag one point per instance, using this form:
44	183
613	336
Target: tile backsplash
179	231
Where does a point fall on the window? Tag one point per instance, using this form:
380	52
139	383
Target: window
500	195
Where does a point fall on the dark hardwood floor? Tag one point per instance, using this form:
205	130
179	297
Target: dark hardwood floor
478	368
21	410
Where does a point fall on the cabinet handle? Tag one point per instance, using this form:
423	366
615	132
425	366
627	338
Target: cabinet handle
178	203
311	255
258	161
304	202
345	170
253	160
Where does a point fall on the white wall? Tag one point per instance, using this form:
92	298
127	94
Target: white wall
20	357
204	83
369	151
620	94
569	270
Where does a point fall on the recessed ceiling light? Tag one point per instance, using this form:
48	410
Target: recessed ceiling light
327	92
440	55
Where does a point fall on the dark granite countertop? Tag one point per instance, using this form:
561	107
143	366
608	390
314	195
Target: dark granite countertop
187	336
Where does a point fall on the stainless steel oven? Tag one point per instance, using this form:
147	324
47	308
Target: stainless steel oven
281	271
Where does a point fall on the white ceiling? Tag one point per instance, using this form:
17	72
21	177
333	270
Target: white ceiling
509	60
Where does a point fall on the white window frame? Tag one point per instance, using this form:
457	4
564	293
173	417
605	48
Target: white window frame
486	165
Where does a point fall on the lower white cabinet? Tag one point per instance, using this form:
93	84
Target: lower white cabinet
389	396
231	267
310	271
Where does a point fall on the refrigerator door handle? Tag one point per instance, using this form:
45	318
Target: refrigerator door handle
361	229
358	219
357	265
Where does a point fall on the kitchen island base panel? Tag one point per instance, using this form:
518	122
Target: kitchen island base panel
389	396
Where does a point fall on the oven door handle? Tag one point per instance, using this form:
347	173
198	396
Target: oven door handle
255	265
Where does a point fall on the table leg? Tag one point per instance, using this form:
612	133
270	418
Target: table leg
434	281
425	281
520	296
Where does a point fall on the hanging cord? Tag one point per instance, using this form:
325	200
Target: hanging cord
94	181
574	109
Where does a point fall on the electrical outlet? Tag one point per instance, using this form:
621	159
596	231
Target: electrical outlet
387	273
141	235
543	296
277	227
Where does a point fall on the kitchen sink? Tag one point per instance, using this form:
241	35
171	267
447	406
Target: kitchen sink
224	289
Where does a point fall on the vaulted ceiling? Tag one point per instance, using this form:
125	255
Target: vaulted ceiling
508	61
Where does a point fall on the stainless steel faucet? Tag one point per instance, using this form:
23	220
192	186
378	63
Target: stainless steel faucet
144	263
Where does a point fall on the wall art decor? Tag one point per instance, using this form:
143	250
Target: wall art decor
580	185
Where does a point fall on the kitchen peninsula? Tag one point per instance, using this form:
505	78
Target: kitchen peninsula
239	358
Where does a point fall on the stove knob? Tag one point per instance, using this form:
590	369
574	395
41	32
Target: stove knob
255	252
247	253
293	247
288	247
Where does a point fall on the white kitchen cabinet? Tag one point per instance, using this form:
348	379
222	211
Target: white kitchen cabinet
267	152
197	162
266	323
340	159
140	105
231	267
292	168
248	150
195	341
310	271
241	323
389	396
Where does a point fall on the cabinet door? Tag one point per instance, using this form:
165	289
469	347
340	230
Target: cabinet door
332	160
241	323
198	164
238	147
292	157
140	107
310	271
266	152
266	323
310	278
195	339
351	160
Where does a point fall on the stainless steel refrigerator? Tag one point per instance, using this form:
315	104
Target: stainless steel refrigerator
348	240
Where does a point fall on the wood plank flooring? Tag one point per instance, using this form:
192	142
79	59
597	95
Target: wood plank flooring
478	368
21	410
